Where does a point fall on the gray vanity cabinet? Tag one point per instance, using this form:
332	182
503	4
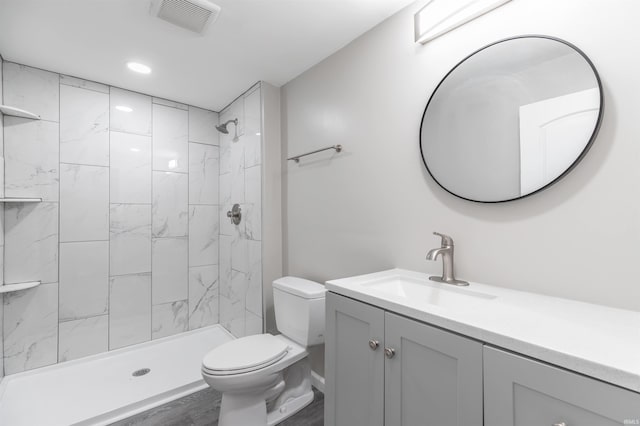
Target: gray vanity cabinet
354	359
384	369
434	377
522	392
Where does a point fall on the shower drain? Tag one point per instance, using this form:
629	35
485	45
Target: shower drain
141	372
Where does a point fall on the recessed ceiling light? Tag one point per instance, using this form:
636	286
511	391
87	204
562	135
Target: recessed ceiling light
258	134
138	67
124	108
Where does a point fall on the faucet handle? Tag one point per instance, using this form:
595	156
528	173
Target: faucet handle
447	241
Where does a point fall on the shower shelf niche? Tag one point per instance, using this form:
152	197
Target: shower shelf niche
20	200
8	288
17	112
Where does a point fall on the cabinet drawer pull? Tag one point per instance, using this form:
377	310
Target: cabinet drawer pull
373	344
560	424
389	352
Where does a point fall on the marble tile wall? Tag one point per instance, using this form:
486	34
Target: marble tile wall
240	245
202	281
32	169
1	232
126	240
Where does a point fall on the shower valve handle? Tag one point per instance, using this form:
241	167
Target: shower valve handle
235	214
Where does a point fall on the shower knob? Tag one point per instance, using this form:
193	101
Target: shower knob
235	214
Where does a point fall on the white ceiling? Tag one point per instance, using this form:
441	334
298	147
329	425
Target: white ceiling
270	40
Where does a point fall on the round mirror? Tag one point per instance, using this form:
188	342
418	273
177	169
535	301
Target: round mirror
511	119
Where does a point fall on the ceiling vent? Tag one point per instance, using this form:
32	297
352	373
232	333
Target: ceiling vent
193	15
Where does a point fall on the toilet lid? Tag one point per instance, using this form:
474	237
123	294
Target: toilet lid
245	354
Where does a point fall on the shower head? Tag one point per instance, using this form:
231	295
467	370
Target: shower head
222	128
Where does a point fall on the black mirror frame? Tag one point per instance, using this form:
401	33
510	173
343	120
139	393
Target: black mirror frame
577	160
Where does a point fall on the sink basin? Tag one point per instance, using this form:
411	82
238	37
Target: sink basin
412	290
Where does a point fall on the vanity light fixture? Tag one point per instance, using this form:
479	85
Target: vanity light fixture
124	108
139	68
438	17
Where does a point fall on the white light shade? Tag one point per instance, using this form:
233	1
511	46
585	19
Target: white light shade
438	17
124	108
138	67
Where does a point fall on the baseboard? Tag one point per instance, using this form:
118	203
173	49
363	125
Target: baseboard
317	381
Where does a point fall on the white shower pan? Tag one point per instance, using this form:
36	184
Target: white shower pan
102	389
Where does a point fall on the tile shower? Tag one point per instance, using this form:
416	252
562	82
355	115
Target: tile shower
241	245
131	241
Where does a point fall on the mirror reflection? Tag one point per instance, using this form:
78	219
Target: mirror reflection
511	119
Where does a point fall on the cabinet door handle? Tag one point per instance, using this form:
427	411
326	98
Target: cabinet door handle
389	352
373	344
560	424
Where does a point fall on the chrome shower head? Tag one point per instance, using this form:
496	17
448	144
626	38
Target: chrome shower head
222	128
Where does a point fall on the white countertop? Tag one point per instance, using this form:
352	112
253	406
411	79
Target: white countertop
597	341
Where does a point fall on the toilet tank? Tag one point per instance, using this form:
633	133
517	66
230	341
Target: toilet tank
299	309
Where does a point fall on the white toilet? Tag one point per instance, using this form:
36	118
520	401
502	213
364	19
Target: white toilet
265	378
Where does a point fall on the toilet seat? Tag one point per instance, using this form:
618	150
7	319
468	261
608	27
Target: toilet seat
244	355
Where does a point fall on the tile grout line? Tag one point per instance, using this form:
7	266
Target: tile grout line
85	165
83	88
188	218
169	106
83	241
204	143
82	318
59	222
4	213
131	204
129	274
109	221
152	151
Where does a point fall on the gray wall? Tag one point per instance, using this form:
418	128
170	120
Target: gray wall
374	206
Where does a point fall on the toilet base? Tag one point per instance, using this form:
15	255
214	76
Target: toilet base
251	410
278	397
248	409
289	408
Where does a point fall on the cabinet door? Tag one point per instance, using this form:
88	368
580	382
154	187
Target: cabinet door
523	392
434	378
354	372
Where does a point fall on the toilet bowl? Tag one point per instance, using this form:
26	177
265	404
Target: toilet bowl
266	378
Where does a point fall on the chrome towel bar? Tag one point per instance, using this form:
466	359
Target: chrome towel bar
338	148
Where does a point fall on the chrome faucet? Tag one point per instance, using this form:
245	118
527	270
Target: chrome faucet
446	252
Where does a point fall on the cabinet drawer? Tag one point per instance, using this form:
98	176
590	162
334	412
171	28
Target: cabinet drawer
522	392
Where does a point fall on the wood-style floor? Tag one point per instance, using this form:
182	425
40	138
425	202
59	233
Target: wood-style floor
202	408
